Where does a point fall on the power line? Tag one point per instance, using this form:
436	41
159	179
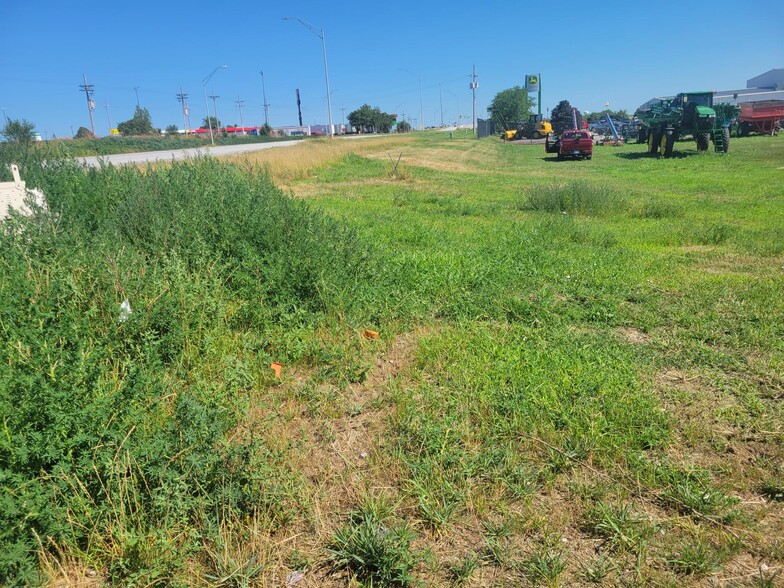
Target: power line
215	110
182	97
474	86
239	104
89	90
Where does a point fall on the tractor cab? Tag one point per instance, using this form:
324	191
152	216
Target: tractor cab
698	98
698	110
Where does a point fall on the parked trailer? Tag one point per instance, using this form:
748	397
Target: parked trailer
760	117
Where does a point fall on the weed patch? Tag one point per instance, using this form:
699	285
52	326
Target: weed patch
573	198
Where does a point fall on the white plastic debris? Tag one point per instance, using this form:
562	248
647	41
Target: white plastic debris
294	577
17	195
125	311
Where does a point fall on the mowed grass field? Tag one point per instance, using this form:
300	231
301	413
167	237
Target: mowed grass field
578	377
584	380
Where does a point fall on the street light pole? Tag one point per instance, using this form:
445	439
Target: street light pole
323	36
441	100
421	103
108	120
266	106
458	106
206	105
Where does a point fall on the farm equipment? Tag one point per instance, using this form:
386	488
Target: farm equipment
760	117
692	114
535	128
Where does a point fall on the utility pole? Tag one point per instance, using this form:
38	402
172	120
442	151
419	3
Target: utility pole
89	90
215	110
474	86
183	98
421	107
441	100
299	108
343	117
136	89
239	104
108	120
265	105
5	116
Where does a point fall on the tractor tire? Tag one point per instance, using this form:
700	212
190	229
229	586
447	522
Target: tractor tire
669	142
725	135
642	135
654	138
536	135
703	139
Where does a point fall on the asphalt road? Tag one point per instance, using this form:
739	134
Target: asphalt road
153	156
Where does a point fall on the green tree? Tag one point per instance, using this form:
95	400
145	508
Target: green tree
371	120
561	117
212	121
19	131
593	117
84	133
140	124
510	106
403	127
171	130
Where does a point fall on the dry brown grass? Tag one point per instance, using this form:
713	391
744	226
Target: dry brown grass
298	162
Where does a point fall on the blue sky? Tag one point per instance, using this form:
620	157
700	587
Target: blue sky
589	53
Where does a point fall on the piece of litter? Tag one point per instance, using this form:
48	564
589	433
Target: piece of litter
277	368
371	334
363	455
294	577
125	311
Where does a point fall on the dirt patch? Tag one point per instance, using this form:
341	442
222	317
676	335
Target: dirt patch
633	336
438	159
341	456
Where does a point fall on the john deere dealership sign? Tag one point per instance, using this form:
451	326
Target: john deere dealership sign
532	83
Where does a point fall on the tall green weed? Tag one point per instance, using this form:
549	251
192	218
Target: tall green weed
115	427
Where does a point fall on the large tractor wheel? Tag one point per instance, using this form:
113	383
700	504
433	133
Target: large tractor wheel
703	139
537	135
654	139
668	141
725	135
642	135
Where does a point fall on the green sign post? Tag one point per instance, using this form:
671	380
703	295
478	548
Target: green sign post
533	83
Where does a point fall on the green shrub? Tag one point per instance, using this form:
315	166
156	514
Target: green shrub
114	441
373	547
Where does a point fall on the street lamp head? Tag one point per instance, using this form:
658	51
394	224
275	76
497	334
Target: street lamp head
212	73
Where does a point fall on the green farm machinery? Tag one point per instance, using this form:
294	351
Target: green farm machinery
692	114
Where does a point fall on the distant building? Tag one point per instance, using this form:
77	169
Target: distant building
767	86
773	79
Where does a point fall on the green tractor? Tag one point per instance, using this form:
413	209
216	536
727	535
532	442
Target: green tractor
690	113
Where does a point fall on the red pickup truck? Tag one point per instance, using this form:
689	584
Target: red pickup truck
574	143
